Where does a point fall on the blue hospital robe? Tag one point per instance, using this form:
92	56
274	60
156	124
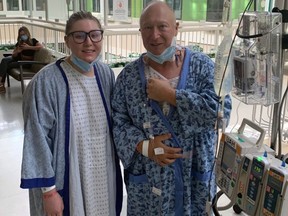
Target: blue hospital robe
186	184
45	159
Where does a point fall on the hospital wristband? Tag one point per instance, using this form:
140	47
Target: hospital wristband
47	189
49	195
145	146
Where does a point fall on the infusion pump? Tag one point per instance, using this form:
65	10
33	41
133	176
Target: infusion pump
250	181
275	194
250	175
262	186
256	176
233	147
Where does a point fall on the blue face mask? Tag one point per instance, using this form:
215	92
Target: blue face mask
24	37
83	65
166	55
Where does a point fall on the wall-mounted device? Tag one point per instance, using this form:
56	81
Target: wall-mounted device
257	58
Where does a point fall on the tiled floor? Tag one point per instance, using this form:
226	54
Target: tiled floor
13	200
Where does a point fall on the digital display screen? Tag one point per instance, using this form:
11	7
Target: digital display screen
244	74
246	164
257	168
275	180
228	158
239	73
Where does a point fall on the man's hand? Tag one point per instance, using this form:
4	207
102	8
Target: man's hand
162	154
159	152
161	90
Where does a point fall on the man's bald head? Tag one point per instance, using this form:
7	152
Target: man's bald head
158	7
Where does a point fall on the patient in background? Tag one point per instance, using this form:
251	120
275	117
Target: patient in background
24	50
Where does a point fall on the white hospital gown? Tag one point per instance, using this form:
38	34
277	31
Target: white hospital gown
88	167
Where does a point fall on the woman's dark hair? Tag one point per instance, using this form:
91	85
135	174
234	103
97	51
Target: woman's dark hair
80	15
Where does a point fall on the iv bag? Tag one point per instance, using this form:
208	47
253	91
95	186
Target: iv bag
222	58
223	78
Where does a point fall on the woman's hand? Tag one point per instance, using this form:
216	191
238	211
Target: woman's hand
53	203
19	49
24	46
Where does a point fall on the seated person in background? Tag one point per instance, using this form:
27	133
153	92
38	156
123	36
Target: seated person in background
24	50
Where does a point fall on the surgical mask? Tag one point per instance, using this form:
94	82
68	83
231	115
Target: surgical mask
166	55
83	65
24	37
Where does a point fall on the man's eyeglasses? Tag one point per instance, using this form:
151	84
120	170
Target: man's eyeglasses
81	36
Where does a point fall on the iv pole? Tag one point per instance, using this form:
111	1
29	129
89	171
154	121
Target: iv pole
276	114
277	109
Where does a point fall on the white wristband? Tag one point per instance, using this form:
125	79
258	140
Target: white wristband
46	189
145	148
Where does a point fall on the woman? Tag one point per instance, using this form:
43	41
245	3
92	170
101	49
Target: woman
24	50
69	163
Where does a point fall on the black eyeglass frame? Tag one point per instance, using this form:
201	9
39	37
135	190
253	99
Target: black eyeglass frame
87	34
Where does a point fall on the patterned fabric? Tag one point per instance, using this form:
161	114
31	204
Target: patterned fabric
152	189
89	146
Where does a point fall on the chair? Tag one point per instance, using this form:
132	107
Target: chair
42	57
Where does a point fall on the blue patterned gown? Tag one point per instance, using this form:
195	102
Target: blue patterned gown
183	187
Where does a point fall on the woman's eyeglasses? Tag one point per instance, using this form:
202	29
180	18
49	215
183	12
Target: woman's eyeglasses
81	36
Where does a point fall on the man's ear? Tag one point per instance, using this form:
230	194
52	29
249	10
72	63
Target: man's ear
176	28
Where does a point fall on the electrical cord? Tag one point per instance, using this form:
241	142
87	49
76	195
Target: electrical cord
214	203
279	123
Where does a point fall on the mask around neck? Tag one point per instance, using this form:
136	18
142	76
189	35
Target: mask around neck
83	65
167	55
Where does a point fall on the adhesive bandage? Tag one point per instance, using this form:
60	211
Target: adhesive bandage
159	151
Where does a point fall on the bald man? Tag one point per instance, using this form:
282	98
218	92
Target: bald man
164	112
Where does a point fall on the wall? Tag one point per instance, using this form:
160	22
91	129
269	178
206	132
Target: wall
57	10
194	10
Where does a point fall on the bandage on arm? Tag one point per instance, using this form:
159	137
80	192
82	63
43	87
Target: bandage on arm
145	147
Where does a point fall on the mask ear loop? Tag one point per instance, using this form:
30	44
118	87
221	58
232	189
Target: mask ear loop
178	55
